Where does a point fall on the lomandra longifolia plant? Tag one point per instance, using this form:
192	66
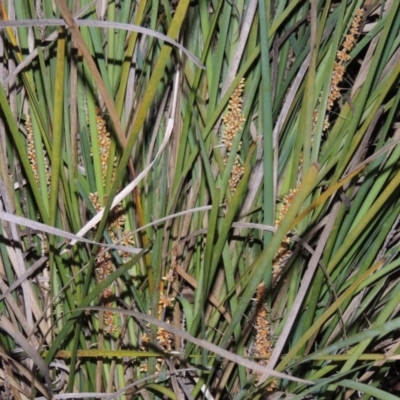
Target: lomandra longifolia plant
199	200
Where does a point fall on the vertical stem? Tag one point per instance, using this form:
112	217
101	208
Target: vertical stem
266	128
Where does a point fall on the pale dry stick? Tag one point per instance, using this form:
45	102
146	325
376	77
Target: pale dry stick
59	232
101	8
302	292
133	184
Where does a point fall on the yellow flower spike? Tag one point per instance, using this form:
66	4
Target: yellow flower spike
234	120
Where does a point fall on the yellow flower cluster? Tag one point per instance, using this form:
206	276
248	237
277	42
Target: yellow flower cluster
31	147
262	344
32	156
115	223
342	57
283	252
104	143
164	340
104	267
284	207
166	301
234	120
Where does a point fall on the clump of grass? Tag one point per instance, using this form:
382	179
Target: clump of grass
310	230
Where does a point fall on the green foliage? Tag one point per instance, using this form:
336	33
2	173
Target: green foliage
246	153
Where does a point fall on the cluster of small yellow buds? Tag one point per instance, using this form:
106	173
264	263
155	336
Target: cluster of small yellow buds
110	327
236	174
284	251
94	198
164	340
262	344
234	120
30	143
32	156
166	301
284	207
144	366
339	69
126	241
104	266
116	220
104	143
